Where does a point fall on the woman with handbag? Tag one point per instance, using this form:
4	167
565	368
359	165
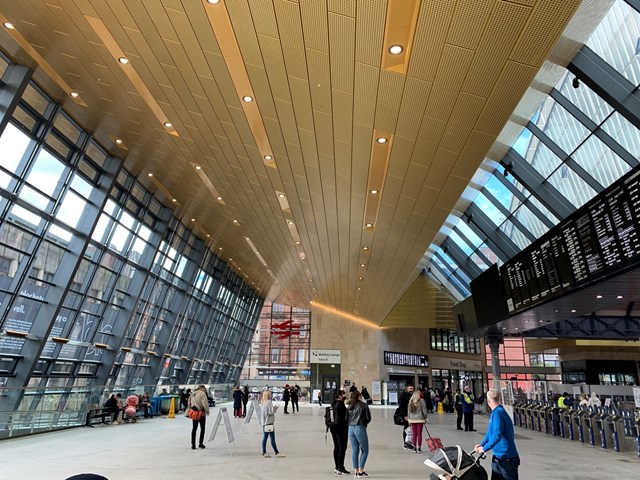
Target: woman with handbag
358	417
268	420
198	412
417	418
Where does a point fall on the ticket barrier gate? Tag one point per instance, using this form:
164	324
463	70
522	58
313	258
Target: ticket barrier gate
531	409
637	435
567	424
603	420
578	419
547	419
593	427
621	443
537	411
518	414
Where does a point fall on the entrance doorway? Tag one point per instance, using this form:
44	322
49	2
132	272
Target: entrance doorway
330	383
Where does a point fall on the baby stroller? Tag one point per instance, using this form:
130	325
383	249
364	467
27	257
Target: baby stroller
131	408
451	463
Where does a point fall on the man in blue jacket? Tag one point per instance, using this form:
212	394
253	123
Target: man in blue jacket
500	438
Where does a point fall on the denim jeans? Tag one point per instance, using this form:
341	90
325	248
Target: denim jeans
359	445
273	441
505	468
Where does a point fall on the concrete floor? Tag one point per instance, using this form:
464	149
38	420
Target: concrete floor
160	449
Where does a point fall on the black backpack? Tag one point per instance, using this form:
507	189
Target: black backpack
331	417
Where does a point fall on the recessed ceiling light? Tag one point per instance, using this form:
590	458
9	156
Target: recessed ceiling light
365	248
219	248
363	265
373	192
213	2
297	243
598	296
539	321
123	60
268	157
311	279
619	297
358	298
8	25
290	222
193	219
381	140
119	141
235	221
174	200
359	288
218	198
198	167
247	98
556	310
74	94
573	310
368	225
231	259
396	49
360	278
504	328
516	328
149	174
281	195
208	235
168	124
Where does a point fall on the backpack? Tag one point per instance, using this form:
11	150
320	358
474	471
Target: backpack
331	417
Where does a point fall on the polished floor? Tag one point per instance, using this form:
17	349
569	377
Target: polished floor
160	449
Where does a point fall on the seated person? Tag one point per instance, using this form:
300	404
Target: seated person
145	401
114	405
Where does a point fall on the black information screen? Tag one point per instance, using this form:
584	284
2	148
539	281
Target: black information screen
406	359
598	239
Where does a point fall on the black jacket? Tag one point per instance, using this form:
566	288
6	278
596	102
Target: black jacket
359	414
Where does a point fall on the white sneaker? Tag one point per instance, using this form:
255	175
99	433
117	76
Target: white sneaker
280	455
266	455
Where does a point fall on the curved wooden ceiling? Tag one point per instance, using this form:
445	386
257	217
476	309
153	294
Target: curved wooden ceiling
324	90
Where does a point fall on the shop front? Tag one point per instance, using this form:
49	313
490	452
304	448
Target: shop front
450	372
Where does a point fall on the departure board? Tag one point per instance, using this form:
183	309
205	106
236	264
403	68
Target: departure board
597	240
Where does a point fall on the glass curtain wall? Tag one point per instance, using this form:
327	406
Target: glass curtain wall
100	285
573	147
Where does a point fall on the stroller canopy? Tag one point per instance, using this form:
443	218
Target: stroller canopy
450	460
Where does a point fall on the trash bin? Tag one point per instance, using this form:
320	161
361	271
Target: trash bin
567	424
603	421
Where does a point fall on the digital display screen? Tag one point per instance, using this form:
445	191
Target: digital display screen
406	359
598	239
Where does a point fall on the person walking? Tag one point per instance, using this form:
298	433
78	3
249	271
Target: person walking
320	397
500	437
358	417
417	418
237	402
458	407
295	395
245	400
268	424
286	396
467	409
339	432
199	400
403	406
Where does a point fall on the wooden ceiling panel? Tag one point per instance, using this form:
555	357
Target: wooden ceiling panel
463	117
467	24
503	29
314	67
508	90
452	70
433	24
414	103
543	29
366	78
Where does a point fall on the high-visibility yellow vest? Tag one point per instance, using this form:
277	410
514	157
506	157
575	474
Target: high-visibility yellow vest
561	403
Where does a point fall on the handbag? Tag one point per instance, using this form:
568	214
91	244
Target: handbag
398	419
194	414
434	443
268	427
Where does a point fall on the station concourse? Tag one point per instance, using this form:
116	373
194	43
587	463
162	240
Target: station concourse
319	194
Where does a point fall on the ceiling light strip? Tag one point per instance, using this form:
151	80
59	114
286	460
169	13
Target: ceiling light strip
117	53
378	164
205	179
42	63
399	29
343	314
223	30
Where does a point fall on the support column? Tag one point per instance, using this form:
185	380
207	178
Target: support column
494	342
